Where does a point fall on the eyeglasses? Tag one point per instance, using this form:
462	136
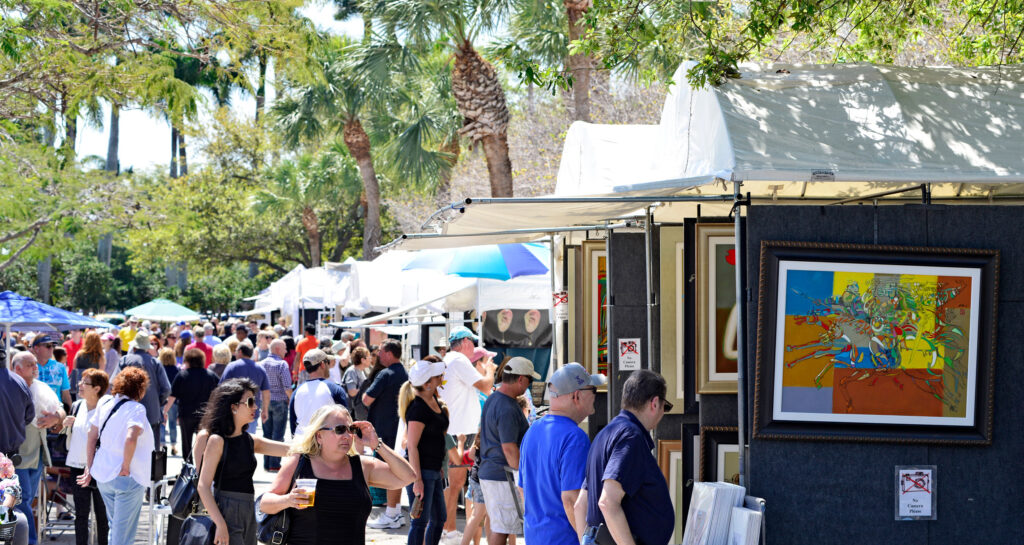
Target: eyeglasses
251	402
588	389
84	383
51	346
342	429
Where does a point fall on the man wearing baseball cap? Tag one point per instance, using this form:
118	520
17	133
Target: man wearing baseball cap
314	393
459	392
554	458
502	428
51	372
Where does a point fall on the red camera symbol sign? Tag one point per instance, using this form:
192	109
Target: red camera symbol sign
629	347
916	482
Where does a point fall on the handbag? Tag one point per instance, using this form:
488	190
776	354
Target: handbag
273	529
184	497
197	530
200	529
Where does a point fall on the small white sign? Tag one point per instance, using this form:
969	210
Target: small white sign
915	493
560	300
629	354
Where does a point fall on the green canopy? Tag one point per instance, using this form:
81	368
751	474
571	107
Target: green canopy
162	310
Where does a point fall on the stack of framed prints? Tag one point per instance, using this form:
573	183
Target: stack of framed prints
875	343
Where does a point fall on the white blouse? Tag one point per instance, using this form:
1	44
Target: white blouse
106	464
79	434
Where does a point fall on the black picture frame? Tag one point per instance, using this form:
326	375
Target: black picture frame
691	459
971	273
711	437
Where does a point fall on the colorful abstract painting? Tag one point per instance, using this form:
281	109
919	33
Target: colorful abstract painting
873	343
602	314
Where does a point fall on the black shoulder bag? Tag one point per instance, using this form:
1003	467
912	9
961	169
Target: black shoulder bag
200	529
273	529
184	497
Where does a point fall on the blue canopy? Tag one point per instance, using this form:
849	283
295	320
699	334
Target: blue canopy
20	313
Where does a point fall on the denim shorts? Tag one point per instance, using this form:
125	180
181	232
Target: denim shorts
474	493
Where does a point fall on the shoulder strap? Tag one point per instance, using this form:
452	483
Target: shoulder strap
112	411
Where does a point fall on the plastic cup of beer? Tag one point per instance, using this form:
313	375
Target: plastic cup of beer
309	486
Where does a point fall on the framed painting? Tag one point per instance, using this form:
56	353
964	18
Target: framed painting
595	306
717	314
719	454
672	304
670	460
875	343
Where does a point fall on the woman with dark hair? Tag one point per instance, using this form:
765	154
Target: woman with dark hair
191	389
118	452
226	487
92	385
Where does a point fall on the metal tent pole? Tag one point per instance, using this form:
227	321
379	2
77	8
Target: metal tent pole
741	346
650	288
553	360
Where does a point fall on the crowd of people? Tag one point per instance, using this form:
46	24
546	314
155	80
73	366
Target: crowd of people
359	419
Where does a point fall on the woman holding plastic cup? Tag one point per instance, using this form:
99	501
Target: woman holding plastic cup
332	506
228	461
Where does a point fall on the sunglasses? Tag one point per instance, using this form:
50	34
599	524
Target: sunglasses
588	389
342	429
668	405
251	402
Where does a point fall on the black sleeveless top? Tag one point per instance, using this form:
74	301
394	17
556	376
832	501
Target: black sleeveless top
339	512
237	465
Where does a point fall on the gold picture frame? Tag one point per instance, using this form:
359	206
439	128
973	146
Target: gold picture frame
673	315
595	311
670	461
717	314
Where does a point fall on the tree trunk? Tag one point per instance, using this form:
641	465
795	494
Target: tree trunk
310	222
174	151
261	88
481	101
114	142
70	132
182	155
367	28
579	65
43	269
499	166
358	144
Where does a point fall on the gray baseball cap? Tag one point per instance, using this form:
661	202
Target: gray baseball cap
573	377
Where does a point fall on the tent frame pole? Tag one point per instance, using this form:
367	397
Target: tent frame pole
741	356
648	227
555	322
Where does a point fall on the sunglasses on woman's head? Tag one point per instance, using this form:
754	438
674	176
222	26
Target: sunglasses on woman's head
341	429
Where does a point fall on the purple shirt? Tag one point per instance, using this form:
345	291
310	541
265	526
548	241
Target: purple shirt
279	375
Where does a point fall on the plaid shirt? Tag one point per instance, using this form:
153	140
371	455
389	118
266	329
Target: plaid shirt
279	375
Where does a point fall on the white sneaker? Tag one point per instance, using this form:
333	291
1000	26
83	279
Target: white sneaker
385	521
451	538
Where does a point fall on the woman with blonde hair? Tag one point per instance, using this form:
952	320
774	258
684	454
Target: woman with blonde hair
328	451
221	359
427	418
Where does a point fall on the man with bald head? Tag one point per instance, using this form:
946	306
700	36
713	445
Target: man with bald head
280	377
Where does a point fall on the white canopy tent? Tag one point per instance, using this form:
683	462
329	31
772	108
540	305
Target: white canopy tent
302	288
791	134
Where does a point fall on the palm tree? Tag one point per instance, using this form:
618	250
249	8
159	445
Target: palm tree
455	24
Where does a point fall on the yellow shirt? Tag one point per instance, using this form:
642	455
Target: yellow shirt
127	336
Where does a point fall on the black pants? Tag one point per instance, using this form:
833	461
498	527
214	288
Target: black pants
87	498
189	427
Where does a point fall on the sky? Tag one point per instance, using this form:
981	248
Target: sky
145	140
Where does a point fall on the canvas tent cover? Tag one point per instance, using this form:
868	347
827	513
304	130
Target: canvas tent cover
791	134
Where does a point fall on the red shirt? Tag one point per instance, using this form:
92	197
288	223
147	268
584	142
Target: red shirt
206	350
307	343
72	348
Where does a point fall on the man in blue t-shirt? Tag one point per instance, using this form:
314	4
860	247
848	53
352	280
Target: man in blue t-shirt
502	427
625	490
382	399
51	372
553	458
245	367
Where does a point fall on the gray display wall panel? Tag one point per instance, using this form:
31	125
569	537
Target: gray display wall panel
843	492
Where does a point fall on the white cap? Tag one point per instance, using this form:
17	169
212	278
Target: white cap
424	371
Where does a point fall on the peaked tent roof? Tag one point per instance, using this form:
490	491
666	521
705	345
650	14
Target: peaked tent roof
21	313
791	134
163	310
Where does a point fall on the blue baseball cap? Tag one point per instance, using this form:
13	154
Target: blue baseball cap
461	332
571	378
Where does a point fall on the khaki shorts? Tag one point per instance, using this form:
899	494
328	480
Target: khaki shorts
501	507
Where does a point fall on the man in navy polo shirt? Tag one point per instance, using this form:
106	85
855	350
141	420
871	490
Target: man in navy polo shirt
554	458
245	367
624	490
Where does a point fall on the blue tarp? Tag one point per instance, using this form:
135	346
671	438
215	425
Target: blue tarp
20	313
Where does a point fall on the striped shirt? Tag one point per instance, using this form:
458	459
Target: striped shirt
279	375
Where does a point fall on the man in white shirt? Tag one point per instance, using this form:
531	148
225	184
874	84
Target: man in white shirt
315	392
459	392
